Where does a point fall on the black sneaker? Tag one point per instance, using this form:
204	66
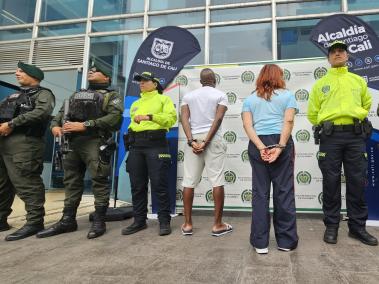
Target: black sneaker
164	229
133	228
363	236
330	235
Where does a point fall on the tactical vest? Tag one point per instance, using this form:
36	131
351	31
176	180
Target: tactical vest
86	105
20	103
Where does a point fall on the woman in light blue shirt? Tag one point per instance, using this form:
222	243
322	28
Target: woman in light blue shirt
268	118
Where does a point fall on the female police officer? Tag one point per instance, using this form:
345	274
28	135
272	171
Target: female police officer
151	117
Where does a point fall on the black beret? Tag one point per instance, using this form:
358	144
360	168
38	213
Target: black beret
31	70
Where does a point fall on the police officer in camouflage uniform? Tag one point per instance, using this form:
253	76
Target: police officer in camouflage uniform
94	113
24	117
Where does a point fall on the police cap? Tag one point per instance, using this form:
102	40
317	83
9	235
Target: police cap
31	70
148	76
337	44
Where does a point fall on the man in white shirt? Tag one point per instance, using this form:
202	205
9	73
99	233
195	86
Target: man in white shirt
202	112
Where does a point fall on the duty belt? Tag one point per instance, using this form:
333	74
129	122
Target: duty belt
343	128
149	134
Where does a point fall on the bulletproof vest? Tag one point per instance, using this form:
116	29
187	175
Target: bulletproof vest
86	105
20	103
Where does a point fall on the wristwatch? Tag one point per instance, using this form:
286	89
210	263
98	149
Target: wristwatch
150	117
189	142
87	123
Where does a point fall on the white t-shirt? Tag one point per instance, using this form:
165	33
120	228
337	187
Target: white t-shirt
202	104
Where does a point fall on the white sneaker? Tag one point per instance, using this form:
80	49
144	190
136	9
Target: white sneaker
284	249
261	251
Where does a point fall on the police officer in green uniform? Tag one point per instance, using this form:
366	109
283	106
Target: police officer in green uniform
338	106
24	117
149	157
94	113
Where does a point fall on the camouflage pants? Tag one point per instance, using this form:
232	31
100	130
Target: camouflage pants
21	165
85	156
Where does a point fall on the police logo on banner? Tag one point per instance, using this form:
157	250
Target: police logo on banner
301	95
303	136
230	177
230	137
247	196
161	48
179	195
181	80
180	156
218	79
245	156
247	77
232	98
319	72
286	75
303	177
320	198
209	196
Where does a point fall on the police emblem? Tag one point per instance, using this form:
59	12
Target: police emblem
303	177
247	77
161	48
232	98
247	196
230	137
209	196
320	198
302	95
286	75
180	157
319	72
325	89
179	195
230	177
218	78
181	80
245	156
303	136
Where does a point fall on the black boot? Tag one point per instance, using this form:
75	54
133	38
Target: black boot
98	226
4	226
330	235
65	225
363	236
24	232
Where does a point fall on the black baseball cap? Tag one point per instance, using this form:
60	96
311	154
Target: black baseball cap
148	76
337	44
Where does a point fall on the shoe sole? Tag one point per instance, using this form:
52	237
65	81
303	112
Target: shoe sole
362	241
330	242
261	251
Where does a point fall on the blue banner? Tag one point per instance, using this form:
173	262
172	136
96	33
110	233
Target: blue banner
164	52
363	48
361	40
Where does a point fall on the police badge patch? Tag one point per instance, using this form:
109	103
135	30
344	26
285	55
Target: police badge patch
161	48
325	89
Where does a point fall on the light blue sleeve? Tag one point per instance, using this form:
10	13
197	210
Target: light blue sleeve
292	102
247	104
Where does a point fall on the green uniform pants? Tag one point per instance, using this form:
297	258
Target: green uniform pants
21	165
85	155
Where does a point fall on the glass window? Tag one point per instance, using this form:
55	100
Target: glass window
293	39
61	30
200	36
53	10
241	43
115	7
246	13
169	4
16	34
11	14
373	21
222	2
176	19
118	53
362	4
117	25
308	7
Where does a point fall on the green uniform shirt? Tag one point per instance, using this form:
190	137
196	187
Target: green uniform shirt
339	97
159	106
111	121
44	105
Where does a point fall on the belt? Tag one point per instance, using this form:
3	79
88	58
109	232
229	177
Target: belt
343	128
148	134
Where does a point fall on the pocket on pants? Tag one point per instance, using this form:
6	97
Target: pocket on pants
103	169
28	163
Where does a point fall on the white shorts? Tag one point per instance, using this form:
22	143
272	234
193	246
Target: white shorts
213	159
